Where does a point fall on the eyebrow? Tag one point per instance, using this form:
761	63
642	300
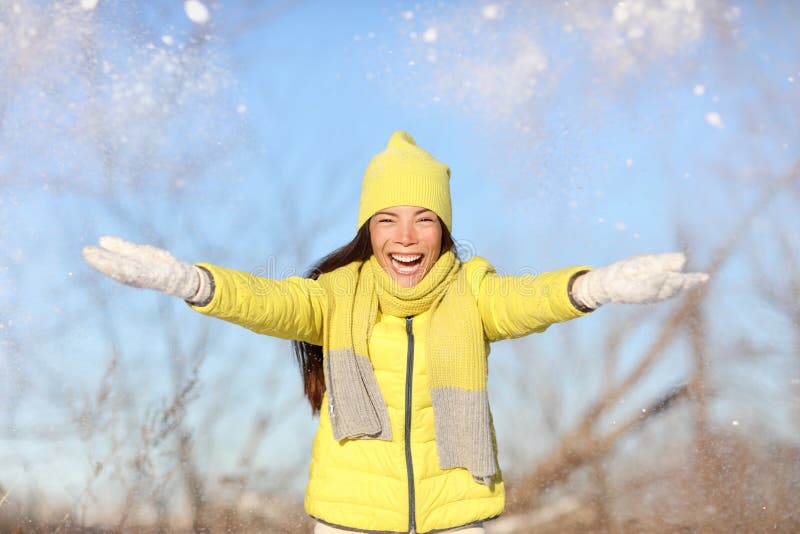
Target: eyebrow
423	210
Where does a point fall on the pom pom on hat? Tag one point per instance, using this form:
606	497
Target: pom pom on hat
404	174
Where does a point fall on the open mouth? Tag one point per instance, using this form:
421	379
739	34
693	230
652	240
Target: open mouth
406	263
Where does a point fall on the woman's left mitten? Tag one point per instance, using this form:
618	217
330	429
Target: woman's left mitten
636	280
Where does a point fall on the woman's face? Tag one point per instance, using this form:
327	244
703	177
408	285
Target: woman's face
406	241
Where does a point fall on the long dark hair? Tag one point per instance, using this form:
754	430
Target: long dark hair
308	356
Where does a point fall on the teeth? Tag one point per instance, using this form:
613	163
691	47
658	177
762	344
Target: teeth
406	257
406	263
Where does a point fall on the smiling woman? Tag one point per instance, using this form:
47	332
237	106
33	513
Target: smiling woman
404	194
406	241
392	334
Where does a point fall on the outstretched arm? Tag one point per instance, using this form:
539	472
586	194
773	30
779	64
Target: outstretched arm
293	308
515	306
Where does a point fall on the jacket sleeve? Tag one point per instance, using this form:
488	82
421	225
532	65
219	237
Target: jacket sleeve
515	306
292	308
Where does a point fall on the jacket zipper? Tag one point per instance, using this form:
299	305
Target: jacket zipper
412	522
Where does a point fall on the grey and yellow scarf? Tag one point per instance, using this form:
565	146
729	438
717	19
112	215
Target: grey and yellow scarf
457	359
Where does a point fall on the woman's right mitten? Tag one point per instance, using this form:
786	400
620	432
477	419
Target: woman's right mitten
148	267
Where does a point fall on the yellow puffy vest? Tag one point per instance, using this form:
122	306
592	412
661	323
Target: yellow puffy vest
372	484
366	484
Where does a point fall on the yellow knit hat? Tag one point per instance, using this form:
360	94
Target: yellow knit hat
405	175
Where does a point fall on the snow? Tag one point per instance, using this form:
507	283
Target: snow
621	13
490	58
714	119
88	5
489	75
733	14
107	100
430	35
196	11
640	31
504	77
491	12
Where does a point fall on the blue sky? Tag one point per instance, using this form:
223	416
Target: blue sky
574	135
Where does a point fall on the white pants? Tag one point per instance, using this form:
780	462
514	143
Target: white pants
322	528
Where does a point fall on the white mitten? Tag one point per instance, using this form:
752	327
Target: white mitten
148	267
636	280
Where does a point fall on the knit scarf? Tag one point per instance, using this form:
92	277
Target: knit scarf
457	353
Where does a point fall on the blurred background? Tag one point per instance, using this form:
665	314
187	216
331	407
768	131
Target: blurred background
237	132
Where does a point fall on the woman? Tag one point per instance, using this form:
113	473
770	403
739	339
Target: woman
392	334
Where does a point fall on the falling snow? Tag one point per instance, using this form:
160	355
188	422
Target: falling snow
431	35
640	31
196	11
714	119
491	12
468	65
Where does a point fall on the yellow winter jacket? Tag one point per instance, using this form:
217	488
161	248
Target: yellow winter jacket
393	486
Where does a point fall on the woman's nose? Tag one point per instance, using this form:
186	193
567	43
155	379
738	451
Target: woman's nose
406	234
